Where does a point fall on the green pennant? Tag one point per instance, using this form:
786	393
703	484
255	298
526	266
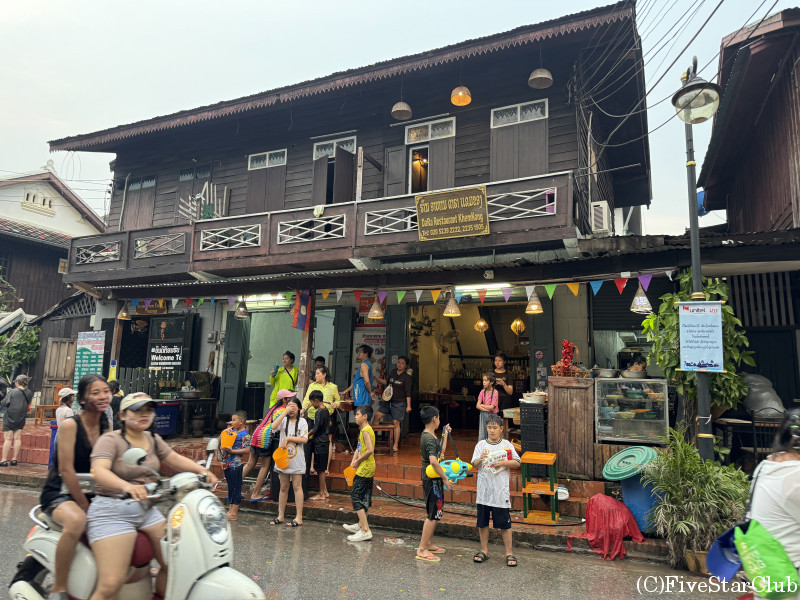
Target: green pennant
400	295
550	287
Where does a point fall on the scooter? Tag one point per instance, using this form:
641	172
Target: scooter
197	548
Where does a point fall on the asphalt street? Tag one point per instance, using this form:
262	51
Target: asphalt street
316	561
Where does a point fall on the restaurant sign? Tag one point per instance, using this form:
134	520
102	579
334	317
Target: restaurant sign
701	336
452	214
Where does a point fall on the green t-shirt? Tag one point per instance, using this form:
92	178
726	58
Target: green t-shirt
428	446
366	468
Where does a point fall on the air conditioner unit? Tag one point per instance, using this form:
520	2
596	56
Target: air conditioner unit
601	218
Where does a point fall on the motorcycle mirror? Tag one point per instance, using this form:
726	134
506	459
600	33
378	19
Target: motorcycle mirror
213	445
134	457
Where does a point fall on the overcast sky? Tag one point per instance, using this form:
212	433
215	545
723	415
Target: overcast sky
77	67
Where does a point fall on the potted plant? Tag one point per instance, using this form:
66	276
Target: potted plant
696	500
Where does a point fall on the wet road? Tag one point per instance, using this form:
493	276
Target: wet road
315	561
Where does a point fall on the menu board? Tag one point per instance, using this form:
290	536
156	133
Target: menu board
453	214
701	336
89	354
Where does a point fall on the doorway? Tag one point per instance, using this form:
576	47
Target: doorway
418	169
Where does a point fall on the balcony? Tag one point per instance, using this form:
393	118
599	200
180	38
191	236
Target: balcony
522	212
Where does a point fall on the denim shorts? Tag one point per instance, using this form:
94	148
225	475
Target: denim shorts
108	517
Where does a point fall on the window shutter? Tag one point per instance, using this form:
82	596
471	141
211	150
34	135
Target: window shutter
442	163
344	176
343	325
533	153
255	202
503	153
394	171
275	188
319	181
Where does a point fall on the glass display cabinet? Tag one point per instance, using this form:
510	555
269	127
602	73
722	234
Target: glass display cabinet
631	410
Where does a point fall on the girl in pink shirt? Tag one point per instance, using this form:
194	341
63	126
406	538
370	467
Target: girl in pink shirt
487	403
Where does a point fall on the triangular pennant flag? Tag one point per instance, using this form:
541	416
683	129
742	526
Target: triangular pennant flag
482	295
381	296
274	300
325	294
174	302
645	280
435	295
550	288
357	294
574	287
212	301
134	302
147	303
529	290
338	295
400	295
200	301
161	303
507	291
188	302
620	283
669	274
231	300
418	294
458	294
596	285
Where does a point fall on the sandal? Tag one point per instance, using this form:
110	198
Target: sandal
14	463
293	524
275	521
511	560
437	550
4	463
480	557
429	558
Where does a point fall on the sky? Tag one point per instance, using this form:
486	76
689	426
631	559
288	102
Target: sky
77	67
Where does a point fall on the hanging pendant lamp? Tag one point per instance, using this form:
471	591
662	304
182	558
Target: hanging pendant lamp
540	78
452	309
481	326
123	314
517	326
401	111
241	311
534	305
375	312
461	96
641	305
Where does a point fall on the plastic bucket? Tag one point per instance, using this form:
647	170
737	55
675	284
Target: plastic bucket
281	458
349	475
639	499
625	466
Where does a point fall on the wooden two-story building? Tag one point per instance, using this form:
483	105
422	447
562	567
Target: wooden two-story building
313	185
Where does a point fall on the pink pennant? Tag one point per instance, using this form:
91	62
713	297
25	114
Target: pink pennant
507	291
231	300
645	280
381	296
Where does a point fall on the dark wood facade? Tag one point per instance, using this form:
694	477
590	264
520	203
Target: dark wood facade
33	271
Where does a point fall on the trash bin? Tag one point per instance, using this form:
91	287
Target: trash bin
166	421
626	466
53	433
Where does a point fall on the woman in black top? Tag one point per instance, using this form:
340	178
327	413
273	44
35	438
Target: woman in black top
504	383
74	443
17	402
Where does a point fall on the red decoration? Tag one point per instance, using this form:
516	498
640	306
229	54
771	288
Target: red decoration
482	295
357	294
620	282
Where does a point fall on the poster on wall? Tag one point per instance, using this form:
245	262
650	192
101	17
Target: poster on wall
165	356
89	354
701	336
375	336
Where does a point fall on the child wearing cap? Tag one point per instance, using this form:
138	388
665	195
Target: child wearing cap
65	411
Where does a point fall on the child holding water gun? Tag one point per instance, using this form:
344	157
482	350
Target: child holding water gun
488	401
493	458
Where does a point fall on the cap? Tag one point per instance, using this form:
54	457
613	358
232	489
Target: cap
135	401
285	394
23	379
64	392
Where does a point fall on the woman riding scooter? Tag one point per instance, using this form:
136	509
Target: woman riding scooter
76	437
112	522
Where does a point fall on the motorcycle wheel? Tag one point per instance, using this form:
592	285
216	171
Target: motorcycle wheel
33	572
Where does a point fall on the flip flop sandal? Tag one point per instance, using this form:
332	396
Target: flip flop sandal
437	550
510	558
14	463
480	557
275	522
429	558
4	463
293	524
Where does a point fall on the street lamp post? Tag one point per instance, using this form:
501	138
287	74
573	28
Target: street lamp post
696	102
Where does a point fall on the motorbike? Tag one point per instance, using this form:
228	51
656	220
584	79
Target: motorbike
197	547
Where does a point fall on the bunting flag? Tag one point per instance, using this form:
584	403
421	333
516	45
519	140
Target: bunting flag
134	302
188	302
620	283
274	300
174	302
418	294
381	297
435	295
550	288
200	301
325	294
147	303
338	295
669	274
645	280
212	301
507	291
529	290
400	295
357	294
596	285
482	295
160	303
231	300
575	288
302	309
458	294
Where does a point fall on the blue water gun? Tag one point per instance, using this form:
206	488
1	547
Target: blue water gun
455	470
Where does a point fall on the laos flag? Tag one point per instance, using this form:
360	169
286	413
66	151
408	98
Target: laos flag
302	308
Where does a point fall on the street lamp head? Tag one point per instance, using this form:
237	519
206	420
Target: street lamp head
698	99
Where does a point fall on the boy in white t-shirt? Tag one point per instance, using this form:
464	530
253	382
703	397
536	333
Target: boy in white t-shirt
493	458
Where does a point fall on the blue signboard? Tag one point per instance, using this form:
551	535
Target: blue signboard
701	336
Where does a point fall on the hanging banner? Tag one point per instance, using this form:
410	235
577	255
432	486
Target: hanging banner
701	336
302	307
452	214
89	354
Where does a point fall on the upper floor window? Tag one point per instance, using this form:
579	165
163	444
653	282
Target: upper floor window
265	160
519	113
328	147
434	130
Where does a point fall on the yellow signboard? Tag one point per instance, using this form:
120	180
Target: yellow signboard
452	214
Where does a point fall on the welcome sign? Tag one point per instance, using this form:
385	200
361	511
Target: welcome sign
701	336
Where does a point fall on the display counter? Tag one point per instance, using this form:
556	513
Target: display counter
631	410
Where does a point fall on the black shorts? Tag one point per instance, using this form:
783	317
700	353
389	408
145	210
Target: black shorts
396	409
260	452
362	493
321	462
434	498
55	502
500	516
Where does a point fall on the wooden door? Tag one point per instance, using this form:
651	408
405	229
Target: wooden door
570	425
59	367
234	363
343	326
441	164
344	176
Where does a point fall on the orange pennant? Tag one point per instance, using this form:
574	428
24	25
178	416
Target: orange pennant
435	294
574	288
325	294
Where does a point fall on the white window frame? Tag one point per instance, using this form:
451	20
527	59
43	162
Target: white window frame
336	142
410	151
519	107
429	138
266	155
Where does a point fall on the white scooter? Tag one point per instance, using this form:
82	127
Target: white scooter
197	548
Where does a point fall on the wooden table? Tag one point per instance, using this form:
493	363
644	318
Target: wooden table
38	413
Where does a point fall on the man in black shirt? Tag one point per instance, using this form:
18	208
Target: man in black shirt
398	401
319	442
